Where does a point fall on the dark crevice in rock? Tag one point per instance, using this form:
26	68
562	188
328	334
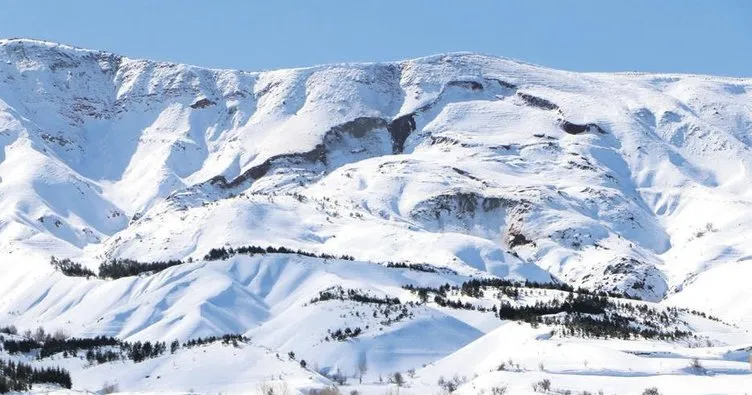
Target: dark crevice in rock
573	164
203	103
445	140
517	239
358	127
268	88
504	84
569	127
536	101
472	85
466	174
573	128
400	129
258	171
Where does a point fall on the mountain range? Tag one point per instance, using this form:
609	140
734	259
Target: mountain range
286	205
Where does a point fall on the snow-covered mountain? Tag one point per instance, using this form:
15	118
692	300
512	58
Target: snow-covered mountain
470	165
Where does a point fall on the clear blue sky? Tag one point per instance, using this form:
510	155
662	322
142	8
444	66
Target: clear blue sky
693	36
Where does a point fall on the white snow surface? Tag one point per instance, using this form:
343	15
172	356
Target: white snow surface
457	160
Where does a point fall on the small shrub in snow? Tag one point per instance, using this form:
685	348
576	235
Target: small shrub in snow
651	391
397	379
60	335
338	377
39	335
108	388
498	390
362	368
332	390
272	389
174	346
342	335
9	330
542	386
450	386
696	365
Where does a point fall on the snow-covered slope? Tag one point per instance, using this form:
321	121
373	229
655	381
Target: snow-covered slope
631	183
517	358
262	297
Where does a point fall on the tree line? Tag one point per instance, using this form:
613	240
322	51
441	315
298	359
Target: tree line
586	313
118	268
338	293
104	349
475	287
222	253
112	269
19	377
51	345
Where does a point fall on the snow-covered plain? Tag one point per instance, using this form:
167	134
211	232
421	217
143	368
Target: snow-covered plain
634	183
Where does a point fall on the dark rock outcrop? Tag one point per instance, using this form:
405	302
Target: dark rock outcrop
202	103
536	101
573	128
400	129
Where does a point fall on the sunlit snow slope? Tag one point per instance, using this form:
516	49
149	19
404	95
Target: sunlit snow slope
638	183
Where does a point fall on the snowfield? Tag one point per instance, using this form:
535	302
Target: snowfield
425	173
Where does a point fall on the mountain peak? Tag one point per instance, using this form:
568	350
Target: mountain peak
29	43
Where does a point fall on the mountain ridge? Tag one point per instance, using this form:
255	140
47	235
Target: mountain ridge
50	43
464	165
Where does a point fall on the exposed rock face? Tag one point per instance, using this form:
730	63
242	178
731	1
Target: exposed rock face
573	128
537	102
